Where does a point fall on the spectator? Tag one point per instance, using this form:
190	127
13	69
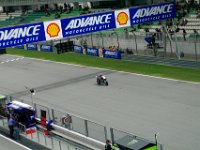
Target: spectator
169	23
148	34
154	44
184	12
198	15
57	15
126	33
171	32
158	33
146	30
185	22
11	126
184	34
61	9
153	39
195	31
10	17
47	12
192	3
56	7
108	145
128	51
177	29
114	48
16	129
21	19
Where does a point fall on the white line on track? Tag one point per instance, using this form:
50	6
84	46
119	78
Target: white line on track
190	82
11	60
10	140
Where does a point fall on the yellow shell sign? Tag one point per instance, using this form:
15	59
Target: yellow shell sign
53	29
122	18
100	52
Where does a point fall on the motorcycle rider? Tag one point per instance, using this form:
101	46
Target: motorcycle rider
101	77
101	80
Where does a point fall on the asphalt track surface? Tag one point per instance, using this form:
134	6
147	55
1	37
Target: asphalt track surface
8	144
138	104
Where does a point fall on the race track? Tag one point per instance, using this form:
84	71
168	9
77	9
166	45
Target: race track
138	104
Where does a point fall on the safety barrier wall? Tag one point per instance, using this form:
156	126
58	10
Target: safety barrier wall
115	54
36	47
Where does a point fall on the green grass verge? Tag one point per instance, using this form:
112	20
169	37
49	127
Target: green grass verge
187	74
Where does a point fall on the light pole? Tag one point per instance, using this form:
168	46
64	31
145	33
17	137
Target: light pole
156	141
32	92
195	44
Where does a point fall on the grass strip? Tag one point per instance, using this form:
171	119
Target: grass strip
187	74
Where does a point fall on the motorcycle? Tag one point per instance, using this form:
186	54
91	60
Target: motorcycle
101	80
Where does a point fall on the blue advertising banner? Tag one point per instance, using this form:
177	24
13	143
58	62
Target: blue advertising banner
152	13
78	49
92	52
19	46
46	48
111	54
88	23
31	47
58	29
19	35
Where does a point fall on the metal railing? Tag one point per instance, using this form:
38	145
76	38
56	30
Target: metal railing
52	142
82	125
73	123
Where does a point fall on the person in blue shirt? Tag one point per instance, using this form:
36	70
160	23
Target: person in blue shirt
16	129
11	123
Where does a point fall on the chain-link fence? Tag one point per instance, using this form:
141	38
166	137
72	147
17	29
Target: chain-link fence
167	44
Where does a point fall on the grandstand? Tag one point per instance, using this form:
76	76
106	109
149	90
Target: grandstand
31	17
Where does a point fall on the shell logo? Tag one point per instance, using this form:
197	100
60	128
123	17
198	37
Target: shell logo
100	52
122	18
53	29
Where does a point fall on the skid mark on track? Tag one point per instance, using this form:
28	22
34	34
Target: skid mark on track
61	83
